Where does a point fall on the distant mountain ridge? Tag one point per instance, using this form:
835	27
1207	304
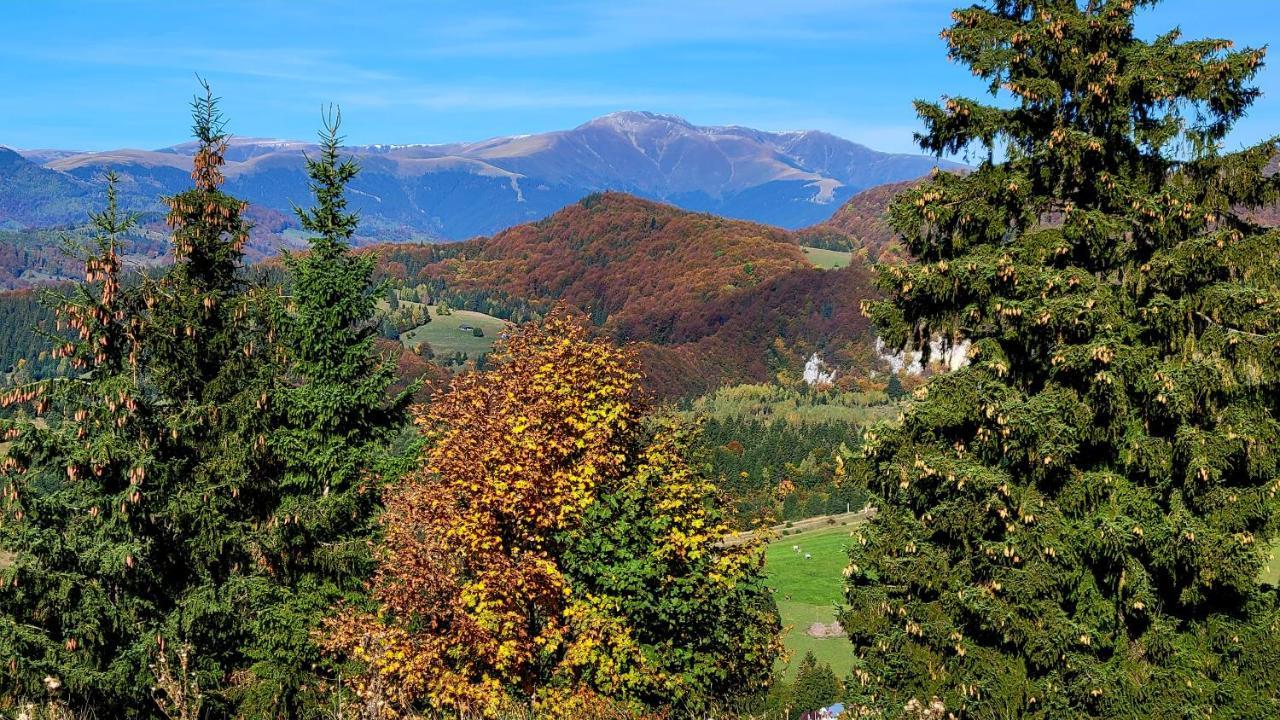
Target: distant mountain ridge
461	190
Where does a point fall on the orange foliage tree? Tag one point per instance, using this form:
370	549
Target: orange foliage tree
555	553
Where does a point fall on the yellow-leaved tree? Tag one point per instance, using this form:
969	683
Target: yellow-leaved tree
557	554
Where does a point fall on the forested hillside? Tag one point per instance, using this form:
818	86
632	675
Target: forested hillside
35	257
710	300
779	452
633	461
31	258
862	225
26	324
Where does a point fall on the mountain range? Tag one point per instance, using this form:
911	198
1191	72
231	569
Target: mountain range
461	190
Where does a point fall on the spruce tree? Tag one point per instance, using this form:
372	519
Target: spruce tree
816	686
137	516
73	587
332	417
1073	524
210	361
894	389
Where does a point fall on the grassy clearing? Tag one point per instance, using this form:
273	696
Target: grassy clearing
769	403
827	259
445	335
807	591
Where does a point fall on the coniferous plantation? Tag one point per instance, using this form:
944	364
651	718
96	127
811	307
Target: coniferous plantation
611	462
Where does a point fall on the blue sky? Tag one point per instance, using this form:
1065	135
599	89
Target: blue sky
93	74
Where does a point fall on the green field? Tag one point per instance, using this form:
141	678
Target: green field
445	336
807	591
827	259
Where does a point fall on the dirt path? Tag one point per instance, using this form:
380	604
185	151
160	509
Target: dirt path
800	526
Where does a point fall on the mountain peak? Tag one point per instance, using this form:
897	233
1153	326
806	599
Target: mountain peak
631	119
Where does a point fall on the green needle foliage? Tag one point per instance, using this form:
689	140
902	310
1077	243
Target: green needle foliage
73	589
1073	525
208	362
136	517
332	419
816	686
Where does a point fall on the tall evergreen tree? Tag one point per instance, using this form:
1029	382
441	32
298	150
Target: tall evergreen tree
1073	525
136	516
71	587
210	361
332	417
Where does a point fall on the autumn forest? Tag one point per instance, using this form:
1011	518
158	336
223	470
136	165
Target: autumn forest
998	441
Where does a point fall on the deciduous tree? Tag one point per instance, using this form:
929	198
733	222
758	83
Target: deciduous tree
551	549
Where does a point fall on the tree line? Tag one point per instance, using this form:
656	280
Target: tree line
215	522
193	521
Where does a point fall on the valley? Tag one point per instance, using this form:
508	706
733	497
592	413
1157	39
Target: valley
640	418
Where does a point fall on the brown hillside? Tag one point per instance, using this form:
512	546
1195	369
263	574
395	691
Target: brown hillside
861	224
652	268
710	300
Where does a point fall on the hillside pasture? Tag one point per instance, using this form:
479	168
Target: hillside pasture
827	259
808	584
445	334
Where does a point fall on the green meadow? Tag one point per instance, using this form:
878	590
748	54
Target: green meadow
445	334
808	590
827	259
